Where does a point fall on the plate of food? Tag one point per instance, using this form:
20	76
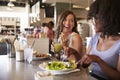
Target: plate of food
43	75
58	67
39	56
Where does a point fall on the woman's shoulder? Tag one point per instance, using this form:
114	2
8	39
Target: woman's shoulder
96	36
75	35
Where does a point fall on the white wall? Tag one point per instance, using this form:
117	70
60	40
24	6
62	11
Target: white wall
14	9
21	12
25	23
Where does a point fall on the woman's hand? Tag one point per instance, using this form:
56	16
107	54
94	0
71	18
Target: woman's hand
64	40
86	60
72	54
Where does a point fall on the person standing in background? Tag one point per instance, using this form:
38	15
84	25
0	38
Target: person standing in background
104	48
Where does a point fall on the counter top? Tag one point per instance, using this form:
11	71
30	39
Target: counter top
10	69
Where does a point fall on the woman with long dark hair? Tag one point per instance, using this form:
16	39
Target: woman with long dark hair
68	35
104	48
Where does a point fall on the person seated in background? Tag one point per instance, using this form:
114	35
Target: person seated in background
48	30
68	35
104	48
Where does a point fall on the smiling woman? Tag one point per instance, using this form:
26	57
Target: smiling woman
104	47
68	35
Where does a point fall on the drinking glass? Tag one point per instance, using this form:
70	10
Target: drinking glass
28	54
57	49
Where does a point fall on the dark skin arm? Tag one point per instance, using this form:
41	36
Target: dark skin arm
111	73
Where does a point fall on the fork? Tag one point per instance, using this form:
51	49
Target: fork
53	58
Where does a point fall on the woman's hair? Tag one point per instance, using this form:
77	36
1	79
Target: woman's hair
60	22
108	13
44	24
50	24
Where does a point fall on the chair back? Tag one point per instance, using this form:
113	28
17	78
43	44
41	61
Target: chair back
41	45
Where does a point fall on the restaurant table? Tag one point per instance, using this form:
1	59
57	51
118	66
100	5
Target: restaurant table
10	69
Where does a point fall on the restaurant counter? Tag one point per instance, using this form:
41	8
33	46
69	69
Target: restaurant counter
10	69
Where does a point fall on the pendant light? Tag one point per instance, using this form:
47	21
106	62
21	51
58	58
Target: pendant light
87	8
10	4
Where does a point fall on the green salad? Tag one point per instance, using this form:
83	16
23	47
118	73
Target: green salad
59	65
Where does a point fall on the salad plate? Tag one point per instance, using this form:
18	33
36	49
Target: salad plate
58	67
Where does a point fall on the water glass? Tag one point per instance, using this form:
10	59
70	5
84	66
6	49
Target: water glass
28	54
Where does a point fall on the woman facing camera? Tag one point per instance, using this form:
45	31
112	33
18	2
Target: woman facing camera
68	35
104	48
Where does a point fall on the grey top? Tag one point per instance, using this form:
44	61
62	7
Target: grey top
109	56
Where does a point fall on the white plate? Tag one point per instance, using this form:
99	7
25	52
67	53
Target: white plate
38	77
57	72
39	58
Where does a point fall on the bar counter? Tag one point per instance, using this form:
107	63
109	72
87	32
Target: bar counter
10	69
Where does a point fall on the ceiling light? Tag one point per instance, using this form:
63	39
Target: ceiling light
87	8
77	6
10	4
42	6
12	0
